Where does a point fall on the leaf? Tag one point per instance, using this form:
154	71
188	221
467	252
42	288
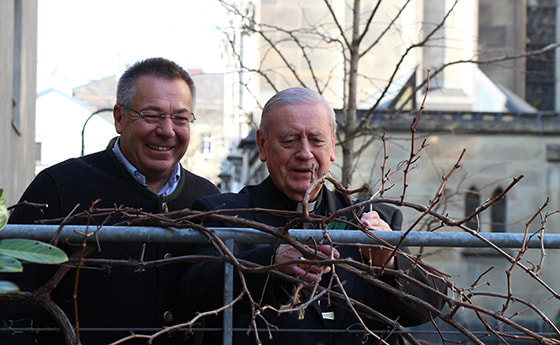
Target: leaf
9	264
32	251
6	287
3	210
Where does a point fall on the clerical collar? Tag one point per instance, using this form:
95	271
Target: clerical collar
310	206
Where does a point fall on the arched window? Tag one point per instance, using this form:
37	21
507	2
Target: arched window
472	201
498	212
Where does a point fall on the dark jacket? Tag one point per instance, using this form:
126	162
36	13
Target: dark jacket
112	296
204	280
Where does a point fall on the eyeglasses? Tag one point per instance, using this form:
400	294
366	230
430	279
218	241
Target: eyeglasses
152	117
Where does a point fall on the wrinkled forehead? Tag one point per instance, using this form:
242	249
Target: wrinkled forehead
305	116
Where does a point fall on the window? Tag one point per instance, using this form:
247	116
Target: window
472	201
498	213
541	31
206	149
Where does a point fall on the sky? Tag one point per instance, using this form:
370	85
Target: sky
84	40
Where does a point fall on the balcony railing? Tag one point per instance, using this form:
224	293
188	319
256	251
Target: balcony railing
244	235
468	121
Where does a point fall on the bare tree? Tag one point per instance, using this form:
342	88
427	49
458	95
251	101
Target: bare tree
332	50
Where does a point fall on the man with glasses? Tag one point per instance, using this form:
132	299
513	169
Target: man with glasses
140	169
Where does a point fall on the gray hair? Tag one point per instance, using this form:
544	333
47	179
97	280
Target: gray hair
291	96
157	67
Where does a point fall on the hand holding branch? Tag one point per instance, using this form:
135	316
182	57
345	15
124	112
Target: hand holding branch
312	273
376	255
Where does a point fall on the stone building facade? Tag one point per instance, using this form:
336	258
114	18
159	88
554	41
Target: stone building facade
18	57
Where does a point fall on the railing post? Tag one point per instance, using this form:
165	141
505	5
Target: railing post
228	297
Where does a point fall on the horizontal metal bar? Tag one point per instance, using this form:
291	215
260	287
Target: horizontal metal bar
244	235
416	331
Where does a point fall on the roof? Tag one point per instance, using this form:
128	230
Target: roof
98	94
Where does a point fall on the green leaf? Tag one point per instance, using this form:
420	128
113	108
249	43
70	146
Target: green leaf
6	287
9	264
3	210
32	251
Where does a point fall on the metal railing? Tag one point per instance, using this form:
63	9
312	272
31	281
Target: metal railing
244	235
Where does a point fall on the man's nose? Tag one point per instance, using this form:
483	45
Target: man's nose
165	127
304	151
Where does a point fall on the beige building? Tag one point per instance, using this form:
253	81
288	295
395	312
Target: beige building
18	58
206	147
413	50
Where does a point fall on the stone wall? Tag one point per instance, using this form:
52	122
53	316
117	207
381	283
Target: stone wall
18	58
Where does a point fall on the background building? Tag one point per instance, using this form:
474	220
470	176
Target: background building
18	58
476	31
66	128
206	148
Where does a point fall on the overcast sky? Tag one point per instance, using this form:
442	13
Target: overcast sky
84	40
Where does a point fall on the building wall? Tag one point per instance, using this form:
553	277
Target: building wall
206	147
457	86
491	162
56	113
474	30
18	61
501	32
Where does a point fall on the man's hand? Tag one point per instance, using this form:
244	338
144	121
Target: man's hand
312	273
375	255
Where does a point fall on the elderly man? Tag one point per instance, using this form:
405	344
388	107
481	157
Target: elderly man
140	169
296	139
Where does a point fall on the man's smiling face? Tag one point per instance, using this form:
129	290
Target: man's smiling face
155	149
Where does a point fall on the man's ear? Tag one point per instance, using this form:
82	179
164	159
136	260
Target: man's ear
118	116
260	145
